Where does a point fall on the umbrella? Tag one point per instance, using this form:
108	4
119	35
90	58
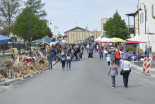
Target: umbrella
5	39
46	39
105	40
117	40
130	41
98	39
144	38
36	41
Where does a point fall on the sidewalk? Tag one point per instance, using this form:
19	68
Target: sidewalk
9	81
140	68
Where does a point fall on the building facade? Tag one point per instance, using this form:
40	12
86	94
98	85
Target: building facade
78	35
146	14
146	20
136	19
103	22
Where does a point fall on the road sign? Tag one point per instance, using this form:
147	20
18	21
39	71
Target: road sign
147	65
144	64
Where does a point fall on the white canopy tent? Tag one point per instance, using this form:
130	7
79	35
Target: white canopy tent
98	39
150	39
144	38
104	40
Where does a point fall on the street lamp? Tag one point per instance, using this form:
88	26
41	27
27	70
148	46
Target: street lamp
144	12
30	10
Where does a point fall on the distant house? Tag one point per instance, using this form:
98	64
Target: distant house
78	35
103	22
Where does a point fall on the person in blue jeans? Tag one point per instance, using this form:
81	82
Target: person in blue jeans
68	61
63	59
113	72
105	53
53	54
100	49
49	58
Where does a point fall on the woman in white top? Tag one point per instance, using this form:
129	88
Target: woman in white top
126	67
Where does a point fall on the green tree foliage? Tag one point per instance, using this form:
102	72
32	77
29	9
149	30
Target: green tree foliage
22	26
37	5
116	27
9	9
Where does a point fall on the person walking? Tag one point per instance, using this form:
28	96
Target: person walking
63	59
90	52
87	47
78	52
68	61
100	50
113	72
105	53
118	57
113	56
108	59
126	69
53	53
49	58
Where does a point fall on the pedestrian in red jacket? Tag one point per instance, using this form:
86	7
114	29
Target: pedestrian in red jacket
118	57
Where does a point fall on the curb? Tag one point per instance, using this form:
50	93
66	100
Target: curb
8	82
139	68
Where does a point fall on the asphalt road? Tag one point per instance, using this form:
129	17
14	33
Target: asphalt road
86	83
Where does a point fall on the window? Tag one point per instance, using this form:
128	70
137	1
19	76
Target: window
153	14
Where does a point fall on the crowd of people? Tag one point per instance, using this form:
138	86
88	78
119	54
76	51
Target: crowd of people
66	54
112	54
74	52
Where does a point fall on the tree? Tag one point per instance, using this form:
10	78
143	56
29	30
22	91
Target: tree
36	5
8	12
116	27
22	26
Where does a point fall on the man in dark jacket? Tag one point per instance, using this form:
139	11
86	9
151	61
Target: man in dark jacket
49	58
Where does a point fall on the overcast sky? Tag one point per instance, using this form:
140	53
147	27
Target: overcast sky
67	14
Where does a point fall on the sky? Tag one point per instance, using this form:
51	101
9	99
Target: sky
68	14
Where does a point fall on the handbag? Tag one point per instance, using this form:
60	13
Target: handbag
122	71
63	59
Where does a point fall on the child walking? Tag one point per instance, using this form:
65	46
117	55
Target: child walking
113	72
108	59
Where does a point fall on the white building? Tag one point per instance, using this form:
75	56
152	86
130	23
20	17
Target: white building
146	21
